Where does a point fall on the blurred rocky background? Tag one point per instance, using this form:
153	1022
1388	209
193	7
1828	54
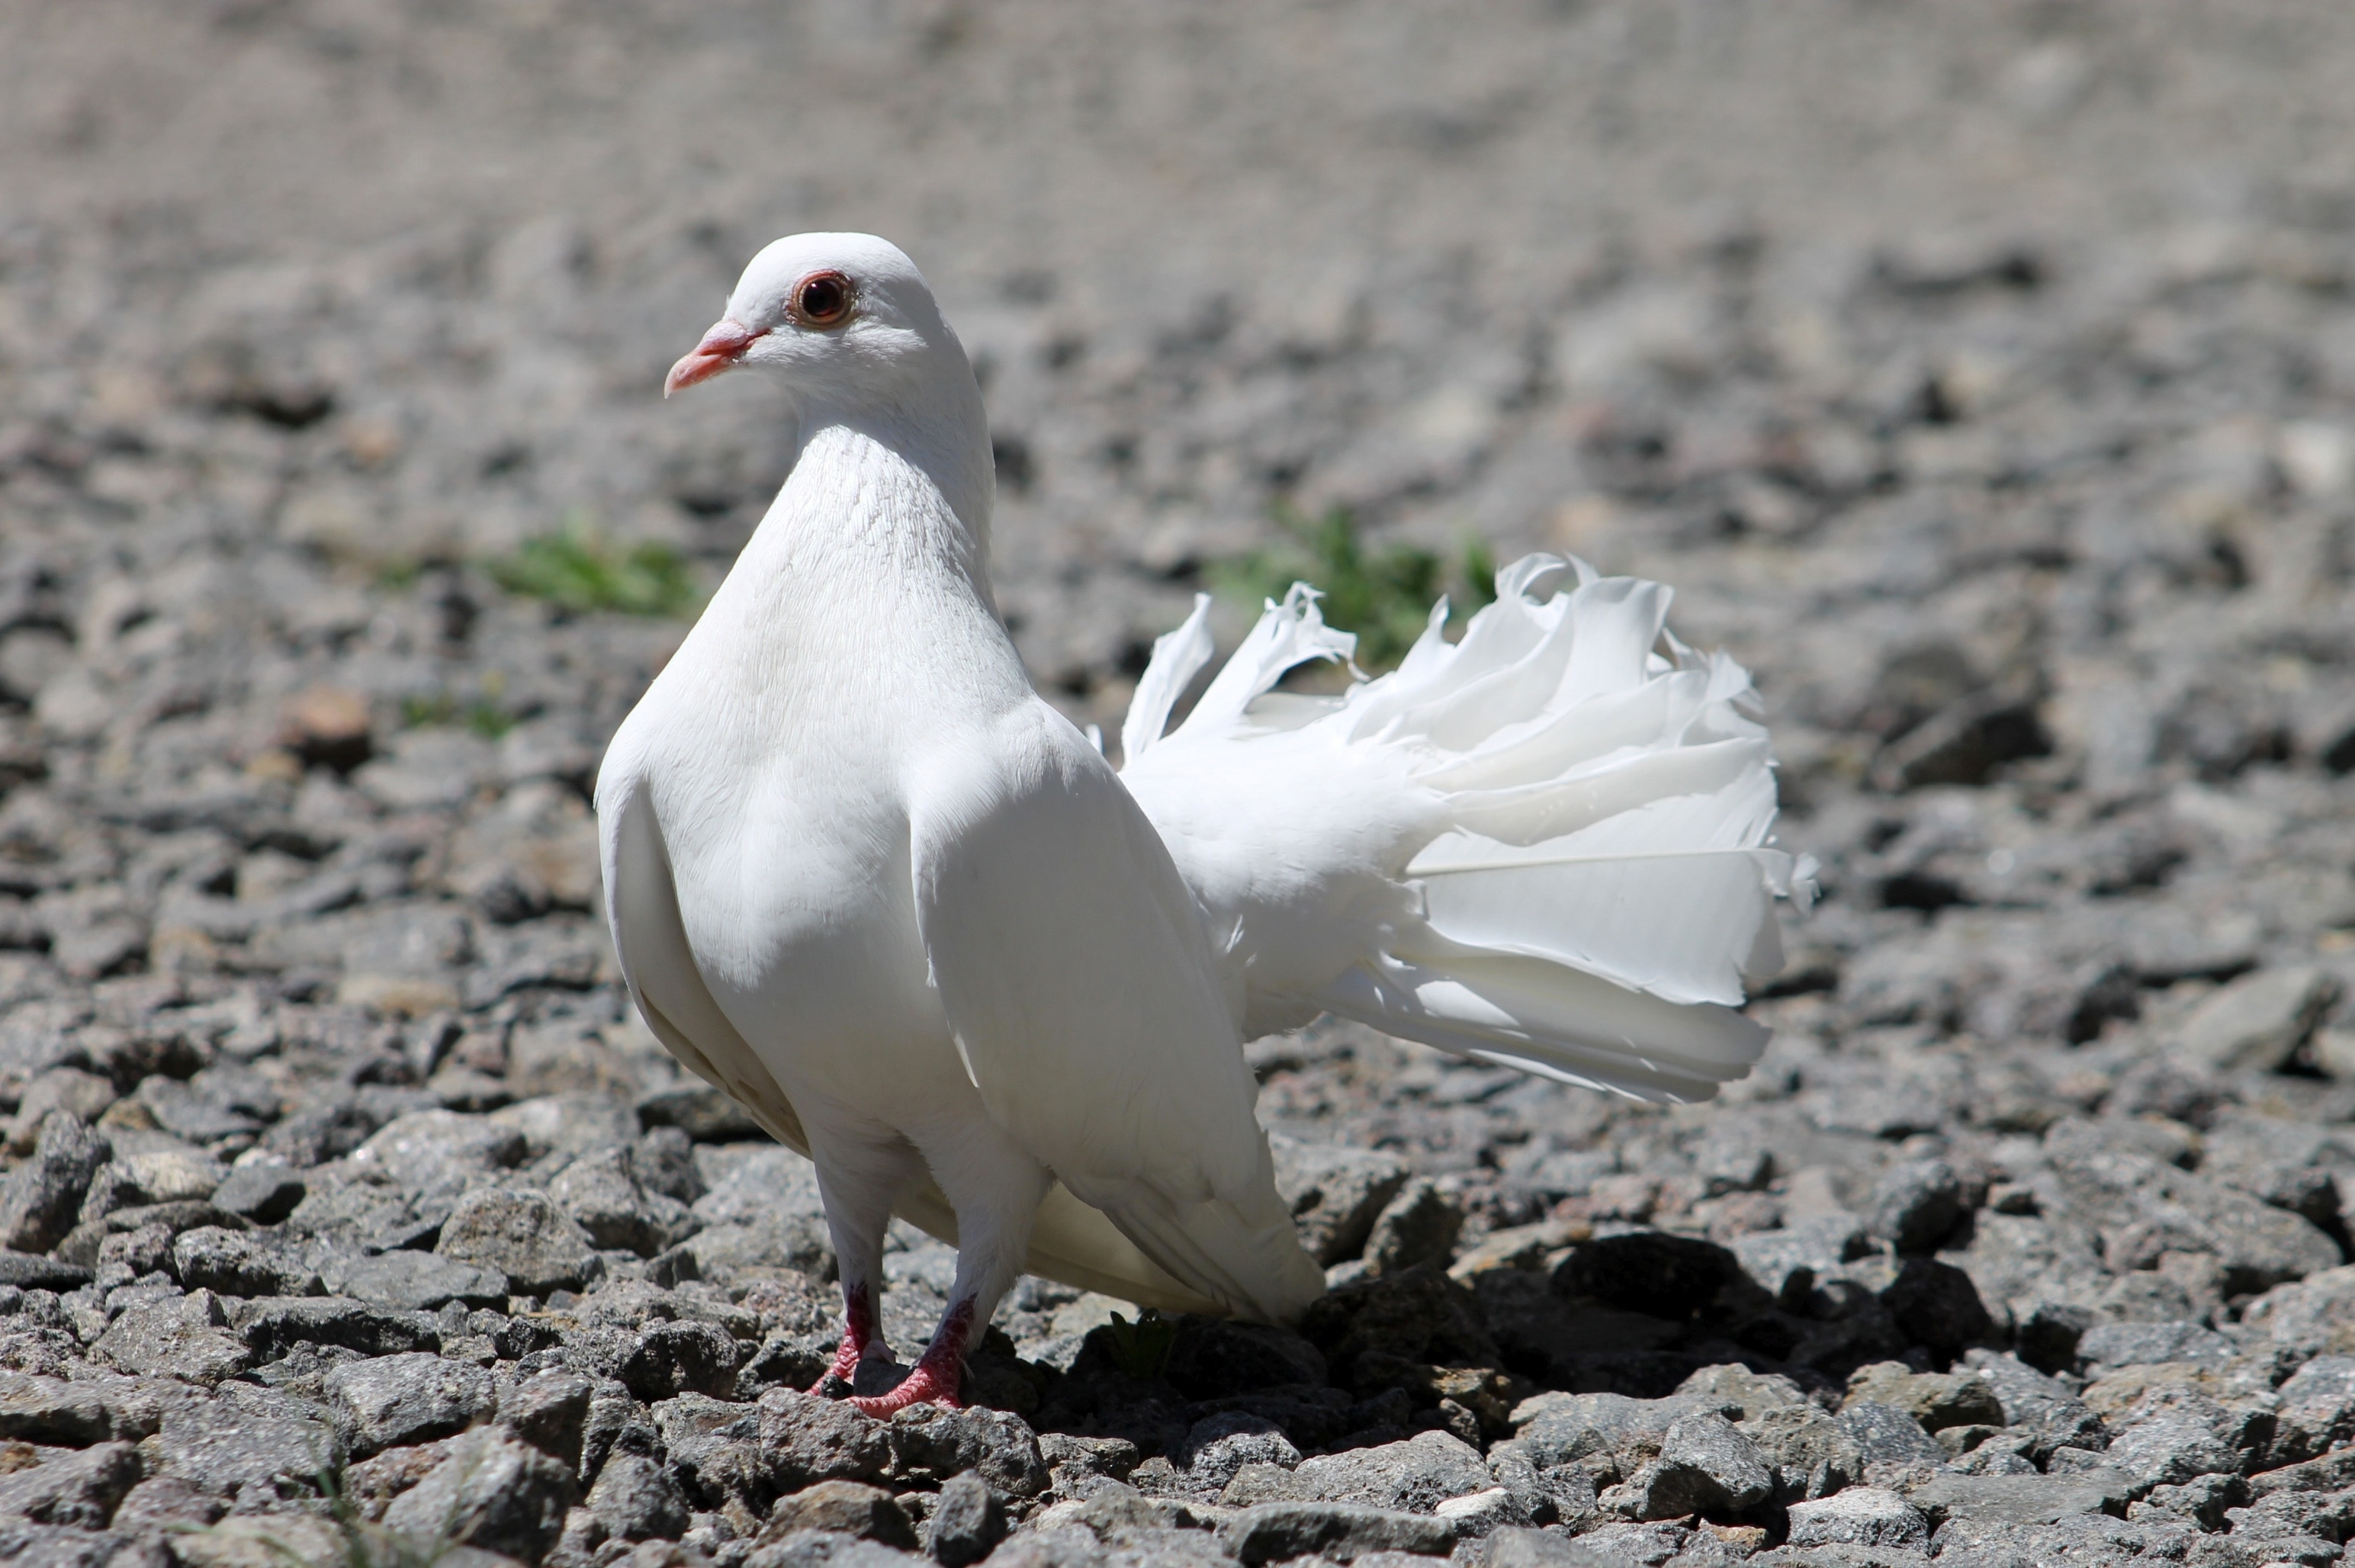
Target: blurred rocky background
1982	375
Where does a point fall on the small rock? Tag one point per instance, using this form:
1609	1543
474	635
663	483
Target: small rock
2168	1450
417	1282
2020	1499
2108	1346
1884	1432
1343	1533
1415	1476
929	1442
703	1112
635	1499
395	1400
521	1234
1212	1357
429	1149
264	1194
680	1356
602	1194
1813	1455
76	1489
1937	1305
549	1411
1418	1226
844	1507
1650	1272
1511	1548
1218	1446
967	1522
29	1270
1706	1466
1915	1204
43	1197
274	1325
1861	1516
185	1338
211	1258
83	1095
2258	1021
1936	1399
805	1440
1335	1193
491	1491
50	1410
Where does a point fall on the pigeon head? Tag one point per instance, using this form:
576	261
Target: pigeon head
845	318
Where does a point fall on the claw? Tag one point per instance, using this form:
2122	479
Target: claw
928	1384
859	1340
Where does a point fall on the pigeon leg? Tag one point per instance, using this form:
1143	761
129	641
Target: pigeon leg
1006	1187
859	1185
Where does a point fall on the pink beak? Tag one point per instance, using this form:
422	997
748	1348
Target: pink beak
721	349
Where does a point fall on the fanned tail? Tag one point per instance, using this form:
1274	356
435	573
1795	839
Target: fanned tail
1547	845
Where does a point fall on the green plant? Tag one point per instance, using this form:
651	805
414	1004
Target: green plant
578	570
1142	1348
1383	595
483	714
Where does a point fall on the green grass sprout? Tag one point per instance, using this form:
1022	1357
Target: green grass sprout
580	571
1383	595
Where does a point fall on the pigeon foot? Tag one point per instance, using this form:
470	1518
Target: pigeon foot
937	1374
859	1340
925	1385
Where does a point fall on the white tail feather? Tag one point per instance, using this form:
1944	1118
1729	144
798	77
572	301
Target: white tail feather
1545	846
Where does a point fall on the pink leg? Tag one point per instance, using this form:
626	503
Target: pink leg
859	1338
936	1374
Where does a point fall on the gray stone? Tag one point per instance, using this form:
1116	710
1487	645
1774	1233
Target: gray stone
1415	1475
150	1177
603	1194
807	1440
2314	1410
2021	1499
549	1412
273	1325
2258	1021
2142	1208
967	1522
1539	1548
1342	1532
43	1197
416	1282
1884	1432
928	1442
82	1095
1705	1466
671	1358
1915	1204
490	1491
211	1258
1335	1193
1561	1428
51	1411
394	1400
1813	1455
1861	1516
1214	1357
705	1114
186	1338
1753	1393
264	1194
227	1448
521	1234
1936	1399
2036	1403
2109	1346
1418	1226
635	1500
1786	1263
2168	1450
844	1508
29	1270
831	1549
75	1489
426	1150
1218	1445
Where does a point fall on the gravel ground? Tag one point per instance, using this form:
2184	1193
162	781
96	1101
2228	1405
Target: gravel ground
1984	377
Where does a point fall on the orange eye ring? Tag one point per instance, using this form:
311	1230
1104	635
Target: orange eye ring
822	299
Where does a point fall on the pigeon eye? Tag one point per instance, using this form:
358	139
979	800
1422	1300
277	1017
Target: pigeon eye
823	299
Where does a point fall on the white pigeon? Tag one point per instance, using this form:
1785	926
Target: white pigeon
862	878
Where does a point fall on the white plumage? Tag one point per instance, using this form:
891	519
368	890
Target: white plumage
862	878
